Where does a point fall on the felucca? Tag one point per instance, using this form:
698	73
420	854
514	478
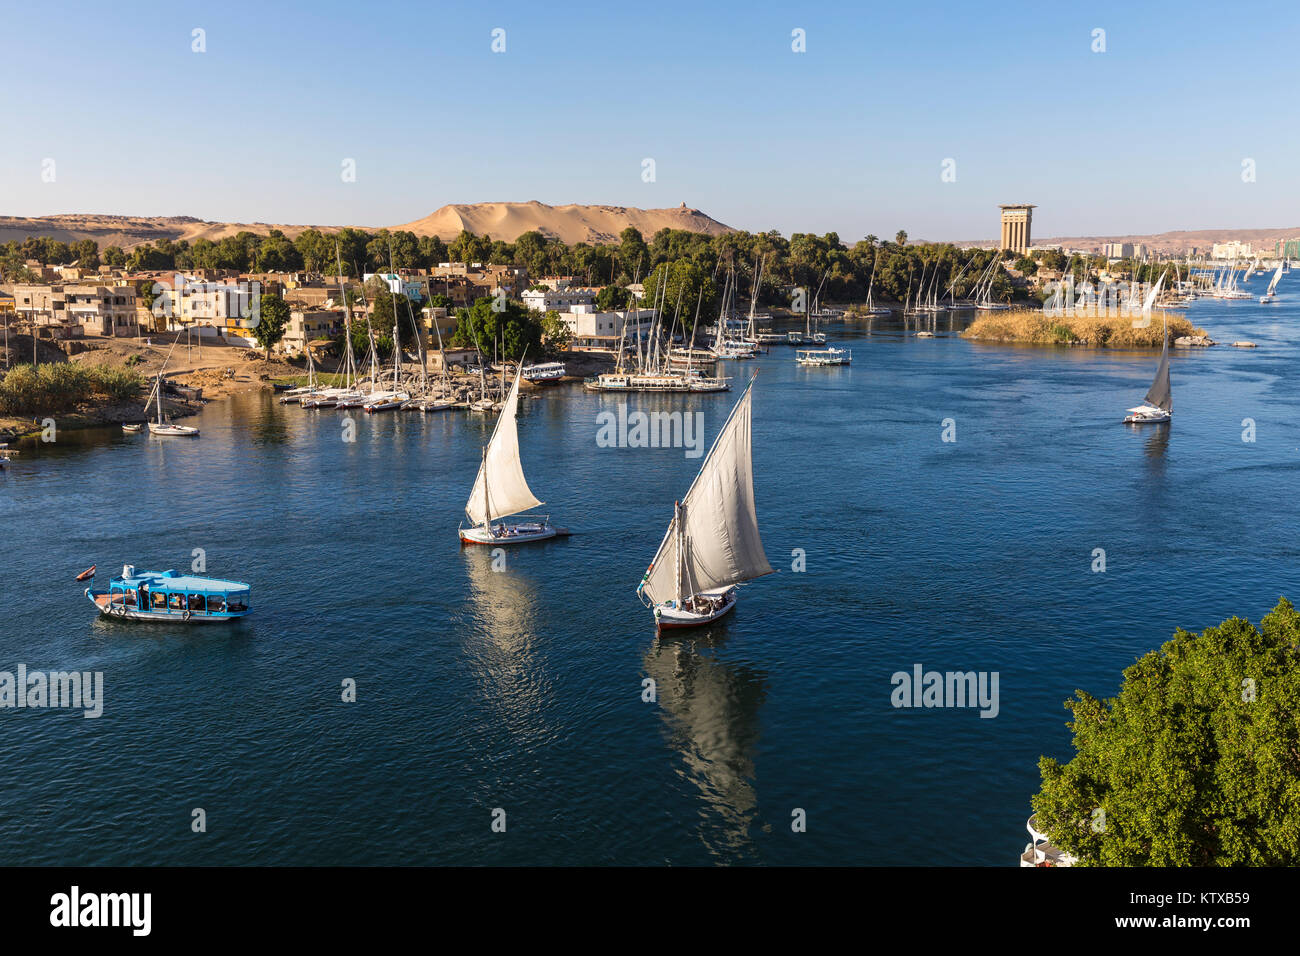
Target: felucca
500	490
1271	294
164	428
712	544
1158	407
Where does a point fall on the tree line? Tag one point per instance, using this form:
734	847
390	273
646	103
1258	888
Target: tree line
802	260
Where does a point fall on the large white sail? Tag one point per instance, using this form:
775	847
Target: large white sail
500	488
1272	286
1152	294
721	544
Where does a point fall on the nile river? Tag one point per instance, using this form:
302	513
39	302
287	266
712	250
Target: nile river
521	689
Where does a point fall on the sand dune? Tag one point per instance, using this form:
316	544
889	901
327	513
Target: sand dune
500	220
573	223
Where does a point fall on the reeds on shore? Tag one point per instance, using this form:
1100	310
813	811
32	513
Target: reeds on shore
1097	329
62	386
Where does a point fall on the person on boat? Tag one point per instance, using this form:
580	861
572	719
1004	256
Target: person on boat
144	597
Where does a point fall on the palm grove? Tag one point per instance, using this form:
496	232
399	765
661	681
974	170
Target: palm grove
694	262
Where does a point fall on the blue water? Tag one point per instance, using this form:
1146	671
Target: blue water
521	689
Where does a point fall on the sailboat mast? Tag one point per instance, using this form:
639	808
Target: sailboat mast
679	520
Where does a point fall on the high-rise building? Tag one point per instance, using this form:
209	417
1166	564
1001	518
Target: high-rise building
1288	248
1015	227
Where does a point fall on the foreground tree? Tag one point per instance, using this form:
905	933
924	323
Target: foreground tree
1195	763
272	320
515	329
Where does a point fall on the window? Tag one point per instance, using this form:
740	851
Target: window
176	602
196	603
158	600
216	604
238	602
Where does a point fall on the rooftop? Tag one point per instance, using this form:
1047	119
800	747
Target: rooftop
173	580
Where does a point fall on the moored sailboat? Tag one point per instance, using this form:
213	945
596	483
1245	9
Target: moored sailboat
712	543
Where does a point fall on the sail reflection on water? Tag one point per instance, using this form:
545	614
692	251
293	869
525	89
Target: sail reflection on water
711	707
500	644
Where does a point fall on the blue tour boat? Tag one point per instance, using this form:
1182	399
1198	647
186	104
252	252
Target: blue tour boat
171	596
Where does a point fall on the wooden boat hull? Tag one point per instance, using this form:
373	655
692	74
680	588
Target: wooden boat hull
668	617
122	612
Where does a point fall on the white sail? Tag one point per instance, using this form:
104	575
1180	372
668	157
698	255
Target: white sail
1152	295
1272	285
719	534
500	488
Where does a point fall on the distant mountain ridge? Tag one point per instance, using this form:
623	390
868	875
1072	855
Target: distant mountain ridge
1178	241
500	220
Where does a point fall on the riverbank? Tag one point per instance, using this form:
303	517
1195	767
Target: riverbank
1036	327
218	369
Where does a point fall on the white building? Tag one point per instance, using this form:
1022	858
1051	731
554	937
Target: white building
593	331
413	289
561	300
1235	249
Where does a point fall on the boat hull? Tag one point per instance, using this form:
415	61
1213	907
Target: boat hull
670	617
522	532
121	612
1162	418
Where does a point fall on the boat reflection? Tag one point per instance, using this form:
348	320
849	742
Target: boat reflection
500	645
710	706
1157	444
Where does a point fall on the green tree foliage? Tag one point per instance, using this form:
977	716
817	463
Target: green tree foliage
685	282
62	386
276	253
1195	763
800	261
555	333
272	320
612	298
517	326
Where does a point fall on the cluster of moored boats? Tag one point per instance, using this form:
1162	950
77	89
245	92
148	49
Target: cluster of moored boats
655	364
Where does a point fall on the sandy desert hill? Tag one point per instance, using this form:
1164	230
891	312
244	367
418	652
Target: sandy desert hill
570	224
500	220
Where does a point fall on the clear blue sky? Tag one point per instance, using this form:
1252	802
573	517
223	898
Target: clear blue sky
849	136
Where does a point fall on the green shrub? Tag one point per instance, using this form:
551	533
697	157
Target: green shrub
62	386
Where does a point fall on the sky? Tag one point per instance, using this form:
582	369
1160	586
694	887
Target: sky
1184	120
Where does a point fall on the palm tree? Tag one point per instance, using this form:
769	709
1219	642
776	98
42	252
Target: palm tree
901	238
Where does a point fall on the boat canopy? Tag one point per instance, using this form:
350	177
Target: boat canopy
172	580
